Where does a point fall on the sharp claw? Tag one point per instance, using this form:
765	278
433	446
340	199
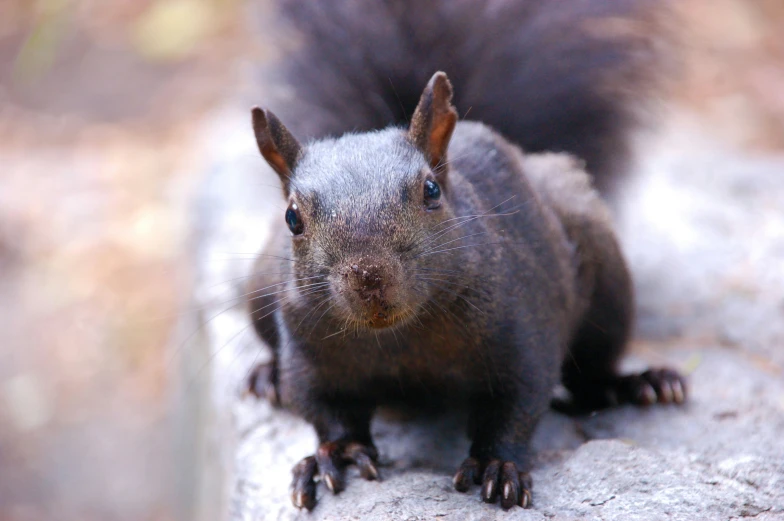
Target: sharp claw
460	481
371	472
330	482
301	500
509	498
298	499
466	474
679	396
666	392
525	499
648	394
488	491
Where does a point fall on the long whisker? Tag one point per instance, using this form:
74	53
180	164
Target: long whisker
449	282
335	333
319	318
483	214
440	245
288	289
249	256
234	302
314	308
249	275
458	295
463	247
449	315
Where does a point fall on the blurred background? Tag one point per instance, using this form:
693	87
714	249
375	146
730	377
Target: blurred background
103	109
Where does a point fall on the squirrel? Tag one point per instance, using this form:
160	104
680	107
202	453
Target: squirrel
471	263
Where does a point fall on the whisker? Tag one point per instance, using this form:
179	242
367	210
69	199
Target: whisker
465	219
319	318
466	246
440	245
458	295
289	289
333	334
451	283
314	308
249	275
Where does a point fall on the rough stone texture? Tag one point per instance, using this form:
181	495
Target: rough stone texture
704	230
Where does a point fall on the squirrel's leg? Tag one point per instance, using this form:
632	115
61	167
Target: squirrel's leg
262	382
500	458
344	439
590	369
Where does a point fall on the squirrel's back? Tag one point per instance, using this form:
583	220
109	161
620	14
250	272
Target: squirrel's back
550	76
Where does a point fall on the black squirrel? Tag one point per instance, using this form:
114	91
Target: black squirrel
440	261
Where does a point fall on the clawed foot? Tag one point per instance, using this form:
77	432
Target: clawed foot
654	385
498	479
329	464
262	383
663	385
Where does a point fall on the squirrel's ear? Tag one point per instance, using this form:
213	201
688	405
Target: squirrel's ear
434	120
276	144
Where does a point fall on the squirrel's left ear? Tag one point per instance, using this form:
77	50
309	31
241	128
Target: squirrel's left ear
276	144
434	120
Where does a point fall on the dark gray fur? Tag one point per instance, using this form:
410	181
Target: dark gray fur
566	75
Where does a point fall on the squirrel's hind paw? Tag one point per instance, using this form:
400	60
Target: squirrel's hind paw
663	385
654	385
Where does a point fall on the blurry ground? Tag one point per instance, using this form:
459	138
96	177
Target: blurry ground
103	106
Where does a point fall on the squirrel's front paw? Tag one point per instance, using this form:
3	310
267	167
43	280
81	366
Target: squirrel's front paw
329	464
498	478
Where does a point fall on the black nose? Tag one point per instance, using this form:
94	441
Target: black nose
367	280
369	286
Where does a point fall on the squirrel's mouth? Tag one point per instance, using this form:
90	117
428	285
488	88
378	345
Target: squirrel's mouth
383	317
381	320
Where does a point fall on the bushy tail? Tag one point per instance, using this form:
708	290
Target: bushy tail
563	75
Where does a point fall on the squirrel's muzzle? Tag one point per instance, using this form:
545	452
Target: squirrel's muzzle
370	288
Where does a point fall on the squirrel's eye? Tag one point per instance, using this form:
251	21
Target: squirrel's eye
432	191
294	220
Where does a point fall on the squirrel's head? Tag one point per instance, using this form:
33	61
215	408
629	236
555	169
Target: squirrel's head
366	211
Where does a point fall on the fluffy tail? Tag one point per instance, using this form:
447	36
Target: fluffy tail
562	75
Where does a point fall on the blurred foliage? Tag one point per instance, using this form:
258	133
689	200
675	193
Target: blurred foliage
171	29
40	48
158	30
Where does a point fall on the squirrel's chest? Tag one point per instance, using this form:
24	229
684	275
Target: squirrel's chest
400	366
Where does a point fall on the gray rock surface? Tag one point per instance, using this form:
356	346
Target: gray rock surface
704	229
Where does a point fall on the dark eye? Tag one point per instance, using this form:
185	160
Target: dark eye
294	220
432	193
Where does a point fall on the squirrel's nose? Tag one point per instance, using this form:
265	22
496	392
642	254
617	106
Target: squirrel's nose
370	287
367	280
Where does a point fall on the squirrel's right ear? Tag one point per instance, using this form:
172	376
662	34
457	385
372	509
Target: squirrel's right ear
434	120
276	144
